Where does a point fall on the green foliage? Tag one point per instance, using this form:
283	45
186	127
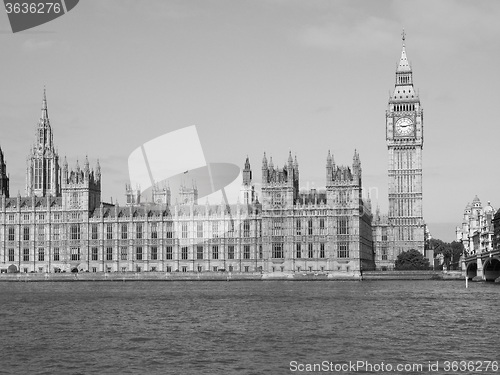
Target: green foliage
411	260
451	252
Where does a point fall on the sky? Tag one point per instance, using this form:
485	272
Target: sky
261	76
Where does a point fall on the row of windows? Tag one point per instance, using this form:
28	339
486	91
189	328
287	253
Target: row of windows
277	252
56	217
26	255
310	251
342	226
403	79
75	231
75	253
342	250
200	268
404	107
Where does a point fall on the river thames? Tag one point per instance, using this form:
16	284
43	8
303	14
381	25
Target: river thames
252	327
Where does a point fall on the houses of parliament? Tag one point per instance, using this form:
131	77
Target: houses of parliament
61	223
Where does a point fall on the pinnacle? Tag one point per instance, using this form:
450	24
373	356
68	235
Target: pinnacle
45	113
404	65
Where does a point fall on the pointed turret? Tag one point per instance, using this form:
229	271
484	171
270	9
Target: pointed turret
86	168
296	168
404	65
45	112
355	158
98	171
44	131
369	203
356	163
247	173
4	178
329	167
404	79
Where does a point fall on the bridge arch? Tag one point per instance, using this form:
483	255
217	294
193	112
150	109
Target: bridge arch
471	270
491	269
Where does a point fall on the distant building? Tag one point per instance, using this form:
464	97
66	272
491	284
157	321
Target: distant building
496	231
476	232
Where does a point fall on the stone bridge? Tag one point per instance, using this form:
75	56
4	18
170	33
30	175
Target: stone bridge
483	266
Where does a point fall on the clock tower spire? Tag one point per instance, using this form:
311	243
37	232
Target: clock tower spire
404	136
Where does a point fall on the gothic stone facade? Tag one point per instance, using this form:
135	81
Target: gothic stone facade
62	224
403	228
477	230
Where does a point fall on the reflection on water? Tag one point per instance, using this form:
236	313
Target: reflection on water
241	327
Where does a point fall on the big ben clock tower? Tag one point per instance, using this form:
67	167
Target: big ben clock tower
405	139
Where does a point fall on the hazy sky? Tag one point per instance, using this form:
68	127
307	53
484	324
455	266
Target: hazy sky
262	75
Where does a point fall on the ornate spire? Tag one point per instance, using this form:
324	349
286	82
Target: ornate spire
98	170
43	131
356	156
86	168
45	113
404	65
4	178
247	173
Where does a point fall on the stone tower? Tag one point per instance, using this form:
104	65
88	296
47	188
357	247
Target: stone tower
81	188
188	195
247	189
133	195
161	194
4	179
404	135
280	187
343	184
43	174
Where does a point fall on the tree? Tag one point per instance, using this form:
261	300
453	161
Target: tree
451	252
411	260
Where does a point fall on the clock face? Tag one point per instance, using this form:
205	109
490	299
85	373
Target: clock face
404	127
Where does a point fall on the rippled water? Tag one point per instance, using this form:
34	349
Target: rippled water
241	327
